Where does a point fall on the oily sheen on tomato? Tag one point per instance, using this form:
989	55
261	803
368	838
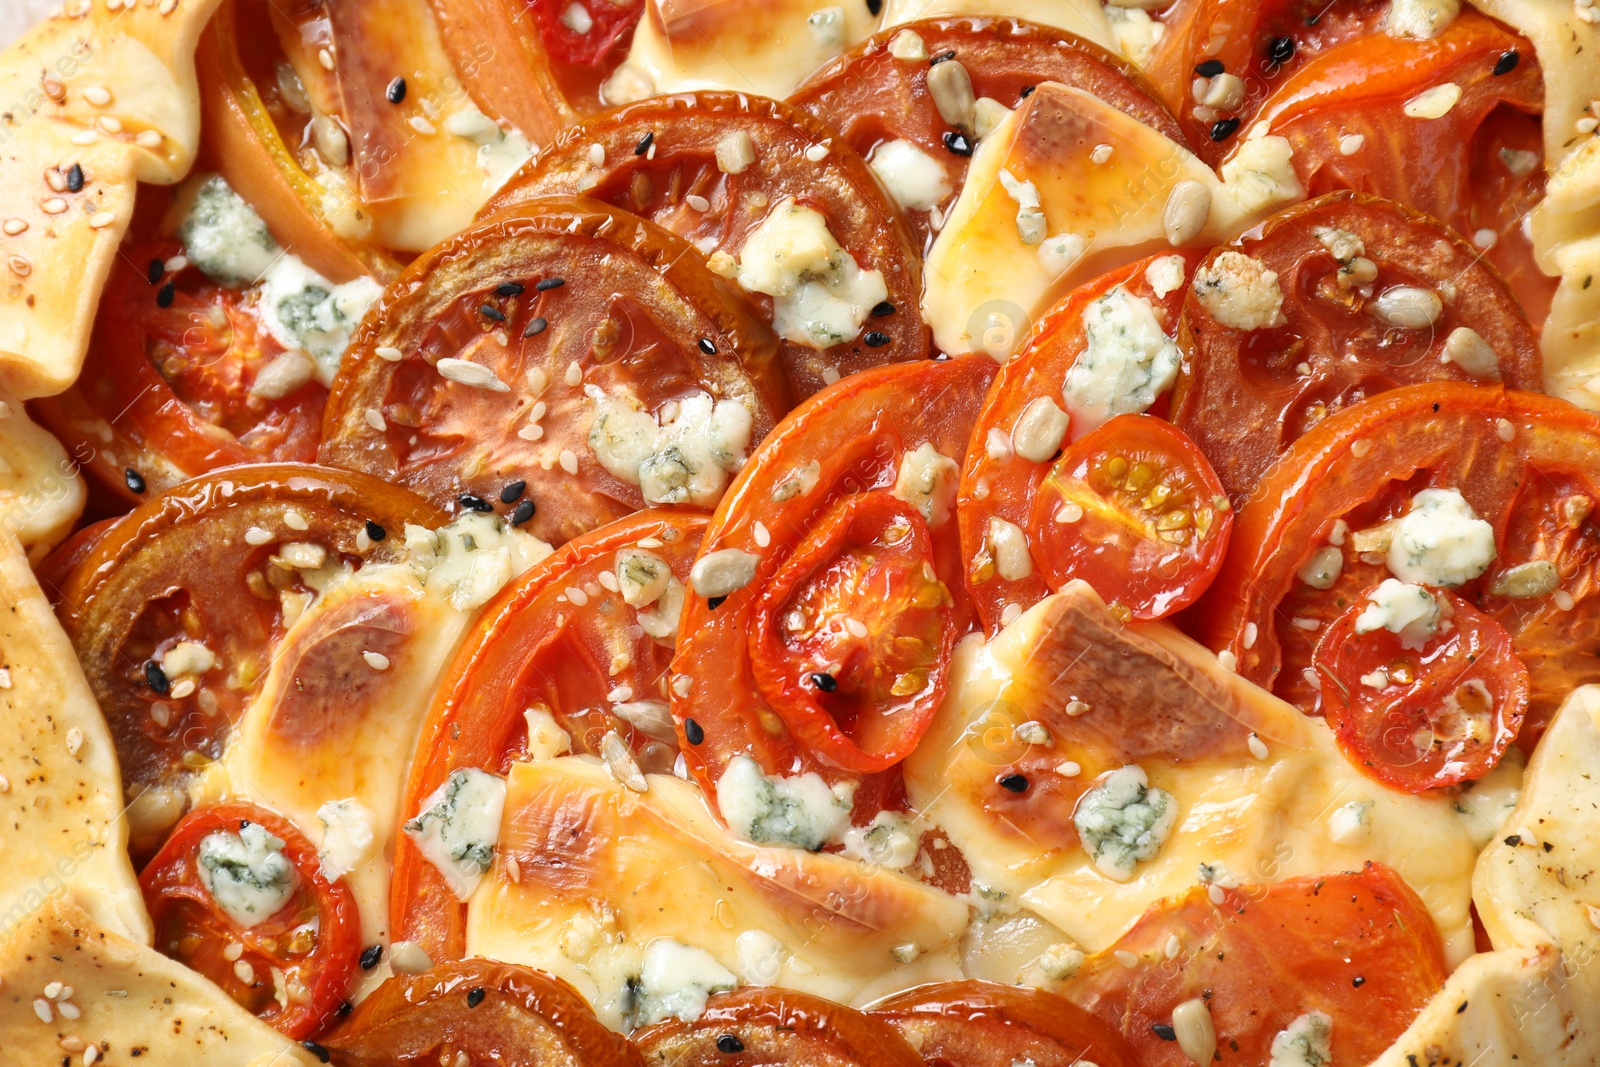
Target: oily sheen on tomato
1359	949
579	644
292	968
674	160
986	1024
172	383
877	94
200	574
1374	296
568	345
756	1025
1322	531
485	1011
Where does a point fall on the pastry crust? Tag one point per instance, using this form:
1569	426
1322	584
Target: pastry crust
41	492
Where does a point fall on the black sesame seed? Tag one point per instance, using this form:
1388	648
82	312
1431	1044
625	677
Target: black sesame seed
1223	129
475	996
134	480
75	178
1514	840
166	295
715	602
1027	91
1164	1031
1358	981
473	502
941	57
883	310
549	284
874	7
344	1008
158	267
1281	50
493	312
644	143
156	677
244	824
315	1049
513	491
693	732
370	956
396	91
708	346
1014	783
876	339
957	143
509	289
1210	68
523	513
728	1043
827	683
534	328
375	532
1507	62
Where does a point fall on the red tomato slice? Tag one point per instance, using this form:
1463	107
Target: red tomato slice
1007	462
1360	948
1422	715
305	952
1445	157
610	23
1524	463
591	666
168	391
852	438
775	1026
873	98
682	136
985	1024
489	1012
1245	395
522	338
1151	523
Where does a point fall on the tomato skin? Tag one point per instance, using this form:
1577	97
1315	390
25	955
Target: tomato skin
532	648
776	1026
173	892
1472	662
1361	947
525	1018
1244	396
1153	559
986	1024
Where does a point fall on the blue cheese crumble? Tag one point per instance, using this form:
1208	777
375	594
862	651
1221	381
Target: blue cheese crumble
246	873
675	980
224	237
1129	361
1407	610
686	455
459	826
1306	1042
1441	541
802	812
820	295
889	841
1124	821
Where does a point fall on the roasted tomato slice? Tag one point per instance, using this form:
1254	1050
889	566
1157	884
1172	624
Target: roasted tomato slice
237	893
1135	510
853	591
568	345
1447	126
759	1026
1346	960
1475	489
176	610
883	105
1373	296
986	1024
1422	689
573	657
484	1011
732	173
176	382
1079	368
607	23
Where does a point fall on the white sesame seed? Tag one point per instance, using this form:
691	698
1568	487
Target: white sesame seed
15	226
393	355
85	137
1300	622
699	203
1351	143
759	533
69	1011
233	951
109	123
295	521
1228	660
5	677
1216	893
101	219
71	1043
1126	958
167	7
856	627
421	125
1594	916
1069	768
149	139
1174	946
325	57
375	419
1069	513
649	542
1504	429
182	688
53	990
376	660
1360	447
597	155
98	95
531	433
1076	708
817	153
466	372
1586	125
5	784
255	535
574	374
569	461
1433	103
1564	600
41	1008
1010	614
1101	153
177	263
244	972
578	597
74	741
53	206
1485	238
91	1056
1258	747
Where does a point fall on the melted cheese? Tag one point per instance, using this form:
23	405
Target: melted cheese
589	874
1082	17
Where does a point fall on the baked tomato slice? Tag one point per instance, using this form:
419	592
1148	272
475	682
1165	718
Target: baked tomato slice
884	96
1447	126
572	657
1135	510
176	611
1105	349
1373	296
732	173
1477	490
567	345
1342	960
986	1024
758	1025
1421	689
181	378
237	893
816	632
484	1011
